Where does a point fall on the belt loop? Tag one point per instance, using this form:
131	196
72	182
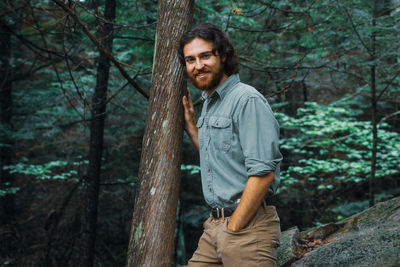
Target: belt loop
223	214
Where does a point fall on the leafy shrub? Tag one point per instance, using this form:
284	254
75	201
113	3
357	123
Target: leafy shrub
332	144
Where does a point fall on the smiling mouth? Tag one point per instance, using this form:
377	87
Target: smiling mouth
201	76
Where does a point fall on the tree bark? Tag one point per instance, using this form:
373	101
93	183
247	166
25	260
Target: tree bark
373	109
97	131
6	116
153	223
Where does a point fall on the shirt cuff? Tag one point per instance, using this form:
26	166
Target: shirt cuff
256	167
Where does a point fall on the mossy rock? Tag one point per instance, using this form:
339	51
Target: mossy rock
369	238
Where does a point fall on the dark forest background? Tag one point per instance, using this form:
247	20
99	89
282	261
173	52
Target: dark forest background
73	116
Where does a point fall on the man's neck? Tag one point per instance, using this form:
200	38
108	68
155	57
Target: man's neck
223	79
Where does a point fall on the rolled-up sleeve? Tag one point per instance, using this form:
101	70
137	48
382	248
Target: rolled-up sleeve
259	136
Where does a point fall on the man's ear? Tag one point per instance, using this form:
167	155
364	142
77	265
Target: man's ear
223	58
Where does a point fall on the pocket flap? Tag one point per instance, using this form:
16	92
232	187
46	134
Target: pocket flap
220	122
200	122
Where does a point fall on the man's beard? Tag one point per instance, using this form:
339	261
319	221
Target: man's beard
212	84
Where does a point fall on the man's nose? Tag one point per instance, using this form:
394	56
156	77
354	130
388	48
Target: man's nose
199	64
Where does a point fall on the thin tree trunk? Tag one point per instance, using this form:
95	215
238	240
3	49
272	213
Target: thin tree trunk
6	116
97	131
153	224
374	110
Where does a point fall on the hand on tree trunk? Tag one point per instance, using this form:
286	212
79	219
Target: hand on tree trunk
190	121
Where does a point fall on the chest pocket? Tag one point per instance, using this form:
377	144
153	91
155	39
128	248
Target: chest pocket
221	132
199	125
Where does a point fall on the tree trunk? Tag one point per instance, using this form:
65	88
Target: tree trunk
373	110
6	116
153	223
97	130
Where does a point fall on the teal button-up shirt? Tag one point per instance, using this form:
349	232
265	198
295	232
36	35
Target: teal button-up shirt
238	138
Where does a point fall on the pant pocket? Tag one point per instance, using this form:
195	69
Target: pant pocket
254	245
238	248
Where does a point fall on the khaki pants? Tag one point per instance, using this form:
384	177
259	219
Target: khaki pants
255	245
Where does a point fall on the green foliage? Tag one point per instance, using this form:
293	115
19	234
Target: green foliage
281	45
336	147
47	171
8	190
193	169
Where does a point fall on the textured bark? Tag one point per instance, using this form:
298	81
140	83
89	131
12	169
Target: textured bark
6	116
153	223
97	132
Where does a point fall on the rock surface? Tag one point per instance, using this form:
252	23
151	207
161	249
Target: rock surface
369	238
288	247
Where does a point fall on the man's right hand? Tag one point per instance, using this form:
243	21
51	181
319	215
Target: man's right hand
190	121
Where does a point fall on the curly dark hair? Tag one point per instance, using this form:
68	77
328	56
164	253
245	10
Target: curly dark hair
221	42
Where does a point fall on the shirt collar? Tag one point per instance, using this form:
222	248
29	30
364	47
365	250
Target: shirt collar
224	88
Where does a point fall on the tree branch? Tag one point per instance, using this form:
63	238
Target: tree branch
111	22
101	48
78	91
285	10
33	70
387	86
134	38
28	43
356	31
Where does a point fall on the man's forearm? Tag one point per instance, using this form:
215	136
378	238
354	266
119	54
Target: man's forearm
253	195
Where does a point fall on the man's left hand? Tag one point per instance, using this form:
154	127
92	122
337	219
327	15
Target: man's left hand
232	226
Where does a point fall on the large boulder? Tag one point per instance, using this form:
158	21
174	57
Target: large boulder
287	249
369	238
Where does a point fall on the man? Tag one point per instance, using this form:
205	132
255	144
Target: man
238	140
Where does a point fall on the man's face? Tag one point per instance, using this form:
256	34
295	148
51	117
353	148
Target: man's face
204	69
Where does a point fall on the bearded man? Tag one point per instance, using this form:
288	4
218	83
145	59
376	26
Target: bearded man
238	140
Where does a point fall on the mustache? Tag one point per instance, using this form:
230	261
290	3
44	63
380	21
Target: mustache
198	72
